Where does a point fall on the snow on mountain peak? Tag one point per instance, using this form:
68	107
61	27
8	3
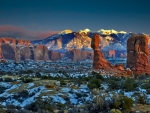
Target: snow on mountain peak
84	31
112	31
67	31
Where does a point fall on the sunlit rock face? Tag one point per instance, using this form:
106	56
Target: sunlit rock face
137	54
41	52
99	61
80	40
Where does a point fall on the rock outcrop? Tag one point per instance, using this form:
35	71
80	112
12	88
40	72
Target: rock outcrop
8	52
78	55
1	52
99	62
54	56
137	54
41	52
16	50
112	53
25	53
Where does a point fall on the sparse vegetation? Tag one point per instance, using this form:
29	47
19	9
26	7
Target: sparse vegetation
26	79
72	91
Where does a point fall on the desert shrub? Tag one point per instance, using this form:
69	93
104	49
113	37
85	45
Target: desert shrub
2	110
50	86
8	79
115	111
79	95
45	77
9	73
98	103
95	91
1	73
94	83
123	102
38	74
145	85
97	75
148	91
115	78
113	84
40	106
62	83
11	108
22	95
141	77
26	79
141	99
1	79
136	76
29	71
2	99
60	106
129	84
88	78
2	89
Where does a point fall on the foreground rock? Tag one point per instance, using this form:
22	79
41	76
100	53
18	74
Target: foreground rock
137	54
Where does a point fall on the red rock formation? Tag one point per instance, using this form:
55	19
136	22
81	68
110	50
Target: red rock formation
137	54
99	62
14	42
25	53
27	42
20	41
41	52
11	41
1	53
112	53
95	42
54	56
8	52
78	55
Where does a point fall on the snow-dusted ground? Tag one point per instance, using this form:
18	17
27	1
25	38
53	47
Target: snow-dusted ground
22	94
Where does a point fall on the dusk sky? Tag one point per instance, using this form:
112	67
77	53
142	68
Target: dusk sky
41	18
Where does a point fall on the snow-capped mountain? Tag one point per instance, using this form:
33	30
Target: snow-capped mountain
67	39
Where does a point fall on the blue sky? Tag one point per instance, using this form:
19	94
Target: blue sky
57	15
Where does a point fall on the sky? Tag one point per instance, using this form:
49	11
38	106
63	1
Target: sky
37	19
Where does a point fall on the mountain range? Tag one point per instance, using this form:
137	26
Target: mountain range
66	45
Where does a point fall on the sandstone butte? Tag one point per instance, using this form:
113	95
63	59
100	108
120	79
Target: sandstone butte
137	54
99	62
